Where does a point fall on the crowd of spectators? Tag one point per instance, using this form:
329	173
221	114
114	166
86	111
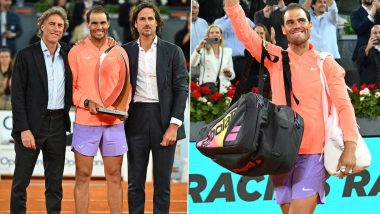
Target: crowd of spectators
324	15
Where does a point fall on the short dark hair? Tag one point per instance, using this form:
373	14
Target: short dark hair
3	49
293	6
97	9
136	11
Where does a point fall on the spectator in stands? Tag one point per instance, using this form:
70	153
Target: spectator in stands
198	26
178	3
362	20
369	58
257	5
77	16
324	16
270	16
231	41
10	26
210	10
60	3
182	39
5	78
63	3
198	32
215	60
124	19
251	73
81	31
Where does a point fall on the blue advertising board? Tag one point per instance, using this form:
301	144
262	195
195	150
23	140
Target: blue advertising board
213	189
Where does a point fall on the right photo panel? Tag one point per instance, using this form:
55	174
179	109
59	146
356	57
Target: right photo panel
284	106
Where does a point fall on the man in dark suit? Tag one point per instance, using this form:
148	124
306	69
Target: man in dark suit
160	91
10	26
369	58
362	20
41	99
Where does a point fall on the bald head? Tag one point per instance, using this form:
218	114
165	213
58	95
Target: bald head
375	31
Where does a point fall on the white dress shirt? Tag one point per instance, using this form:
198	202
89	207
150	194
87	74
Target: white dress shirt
146	84
56	77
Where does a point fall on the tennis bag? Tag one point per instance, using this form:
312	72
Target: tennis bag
255	137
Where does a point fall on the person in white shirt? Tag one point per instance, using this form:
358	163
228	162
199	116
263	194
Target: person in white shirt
198	26
215	61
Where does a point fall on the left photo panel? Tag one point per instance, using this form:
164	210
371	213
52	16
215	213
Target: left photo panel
94	106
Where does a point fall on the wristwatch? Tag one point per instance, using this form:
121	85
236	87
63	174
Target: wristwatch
86	103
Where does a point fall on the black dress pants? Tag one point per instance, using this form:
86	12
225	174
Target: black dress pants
144	133
51	140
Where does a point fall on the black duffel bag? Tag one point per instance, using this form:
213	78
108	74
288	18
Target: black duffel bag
255	137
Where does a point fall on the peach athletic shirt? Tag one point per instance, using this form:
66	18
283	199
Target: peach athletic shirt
306	84
83	59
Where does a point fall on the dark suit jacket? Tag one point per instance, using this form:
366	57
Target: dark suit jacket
77	15
13	25
171	80
362	27
369	65
30	90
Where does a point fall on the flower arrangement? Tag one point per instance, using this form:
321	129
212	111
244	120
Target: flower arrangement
207	105
366	100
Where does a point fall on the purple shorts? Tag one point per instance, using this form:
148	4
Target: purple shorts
307	178
110	139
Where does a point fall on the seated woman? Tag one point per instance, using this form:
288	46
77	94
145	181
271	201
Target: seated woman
250	77
215	61
5	78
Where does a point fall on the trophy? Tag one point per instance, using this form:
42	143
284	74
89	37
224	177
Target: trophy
112	81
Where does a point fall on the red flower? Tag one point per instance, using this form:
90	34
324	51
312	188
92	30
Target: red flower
255	90
194	86
216	96
231	91
196	94
363	86
237	83
355	89
205	90
372	87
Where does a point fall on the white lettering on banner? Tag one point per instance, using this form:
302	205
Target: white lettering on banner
5	126
7	163
7	154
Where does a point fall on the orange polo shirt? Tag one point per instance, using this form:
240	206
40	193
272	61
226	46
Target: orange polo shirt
83	59
306	84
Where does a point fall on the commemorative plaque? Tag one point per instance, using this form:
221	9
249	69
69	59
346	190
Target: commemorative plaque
112	81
